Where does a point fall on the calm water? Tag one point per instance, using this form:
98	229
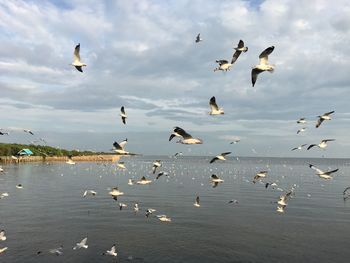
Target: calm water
50	211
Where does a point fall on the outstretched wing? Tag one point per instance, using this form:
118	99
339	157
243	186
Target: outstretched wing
310	146
264	56
255	73
316	169
117	146
123	143
213	160
235	56
330	172
225	153
329	113
213	104
76	57
182	133
122	110
319	122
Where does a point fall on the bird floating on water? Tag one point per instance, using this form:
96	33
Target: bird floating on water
186	137
76	59
164	218
121	165
324	117
322	174
263	64
19	186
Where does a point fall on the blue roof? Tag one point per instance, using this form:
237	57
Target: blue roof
25	152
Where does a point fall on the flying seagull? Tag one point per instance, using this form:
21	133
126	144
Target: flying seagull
215	110
91	192
2	235
123	114
76	59
121	165
1	169
186	137
115	193
263	64
196	203
322	174
156	165
301	130
121	205
149	212
220	157
4	133
215	180
323	144
164	218
119	147
198	38
259	175
301	121
162	173
144	181
81	244
224	65
299	147
57	251
2	250
112	252
235	141
324	117
28	131
136	207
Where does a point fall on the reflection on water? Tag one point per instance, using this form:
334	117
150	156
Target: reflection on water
50	211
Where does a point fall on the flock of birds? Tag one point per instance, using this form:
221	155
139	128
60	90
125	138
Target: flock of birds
188	139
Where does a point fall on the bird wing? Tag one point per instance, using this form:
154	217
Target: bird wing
319	122
182	132
303	145
215	184
123	120
240	44
328	113
85	193
296	148
83	242
171	137
122	110
328	140
265	55
123	143
79	68
113	249
117	146
310	146
221	62
225	153
197	200
213	160
213	104
255	73
235	56
214	176
77	53
316	169
330	172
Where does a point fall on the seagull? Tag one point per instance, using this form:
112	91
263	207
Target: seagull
81	244
115	193
4	195
76	59
4	133
123	114
178	153
70	161
119	147
2	250
149	212
322	174
19	186
161	174
220	157
272	184
57	251
28	131
1	169
235	141
130	182
156	164
2	235
121	165
196	203
280	209
164	218
261	174
301	130
215	180
324	117
144	181
214	107
263	64
323	144
301	121
136	207
92	192
198	38
111	252
299	147
224	65
233	201
121	205
187	138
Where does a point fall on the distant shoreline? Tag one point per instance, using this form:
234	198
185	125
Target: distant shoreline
81	158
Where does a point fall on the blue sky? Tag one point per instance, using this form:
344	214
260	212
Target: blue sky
141	54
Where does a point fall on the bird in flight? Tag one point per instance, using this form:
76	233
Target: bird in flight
322	174
263	64
186	137
220	157
323	144
81	244
224	65
123	114
299	147
324	117
198	38
76	59
214	109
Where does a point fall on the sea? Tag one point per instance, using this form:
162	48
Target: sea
50	211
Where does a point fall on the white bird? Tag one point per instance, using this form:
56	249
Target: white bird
161	174
323	144
224	65
259	175
121	165
112	251
263	64
19	186
70	161
122	205
131	182
214	108
156	165
220	157
215	180
301	121
92	192
4	195
324	117
322	174
76	59
2	235
1	169
115	193
198	38
187	138
81	244
57	251
196	203
2	250
280	209
144	181
119	147
123	114
164	218
136	207
150	211
235	141
301	130
299	147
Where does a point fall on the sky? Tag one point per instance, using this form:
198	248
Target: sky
142	55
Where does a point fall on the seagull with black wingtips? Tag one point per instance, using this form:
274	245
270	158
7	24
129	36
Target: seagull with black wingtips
301	121
214	108
299	147
76	59
324	117
322	145
119	147
215	180
123	114
263	64
301	130
186	137
220	157
322	174
224	65
156	165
